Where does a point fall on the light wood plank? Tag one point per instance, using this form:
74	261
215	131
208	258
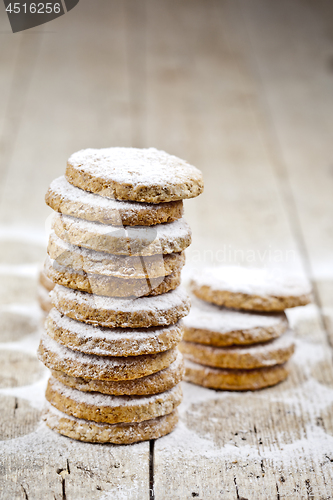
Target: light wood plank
79	97
17	57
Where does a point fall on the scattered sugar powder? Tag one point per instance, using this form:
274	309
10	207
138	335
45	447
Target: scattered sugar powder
33	393
252	281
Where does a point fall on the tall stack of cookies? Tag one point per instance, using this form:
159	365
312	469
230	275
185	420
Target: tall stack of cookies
237	335
115	256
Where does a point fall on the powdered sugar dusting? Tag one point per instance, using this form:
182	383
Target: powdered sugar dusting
162	238
112	341
65	354
62	187
158	304
110	334
136	166
91	206
286	341
97	399
206	316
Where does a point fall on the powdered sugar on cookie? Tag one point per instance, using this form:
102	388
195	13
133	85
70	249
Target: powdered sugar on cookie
251	281
210	317
70	200
126	313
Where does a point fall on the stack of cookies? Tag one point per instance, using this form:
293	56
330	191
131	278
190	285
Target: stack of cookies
237	335
115	256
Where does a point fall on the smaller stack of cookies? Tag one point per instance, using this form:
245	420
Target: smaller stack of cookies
115	256
237	335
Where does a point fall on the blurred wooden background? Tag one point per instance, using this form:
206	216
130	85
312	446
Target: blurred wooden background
243	89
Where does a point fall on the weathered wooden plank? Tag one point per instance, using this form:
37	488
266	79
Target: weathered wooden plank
78	98
17	56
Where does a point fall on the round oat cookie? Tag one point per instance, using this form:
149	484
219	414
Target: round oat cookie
219	326
234	380
139	240
77	364
116	266
251	288
123	433
107	285
111	409
44	300
111	341
144	175
273	352
67	199
151	384
110	312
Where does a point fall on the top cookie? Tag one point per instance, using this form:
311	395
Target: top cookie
144	175
251	288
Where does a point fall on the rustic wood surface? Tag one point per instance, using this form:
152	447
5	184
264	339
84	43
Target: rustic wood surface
243	90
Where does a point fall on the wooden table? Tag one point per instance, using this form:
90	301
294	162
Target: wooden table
243	89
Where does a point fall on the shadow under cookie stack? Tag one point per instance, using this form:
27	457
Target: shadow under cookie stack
115	256
237	335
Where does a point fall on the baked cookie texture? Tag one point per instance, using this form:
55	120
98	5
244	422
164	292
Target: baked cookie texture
144	175
235	380
114	263
115	266
111	409
218	326
111	341
251	289
77	364
111	312
108	286
127	240
150	384
274	352
67	199
237	336
123	433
